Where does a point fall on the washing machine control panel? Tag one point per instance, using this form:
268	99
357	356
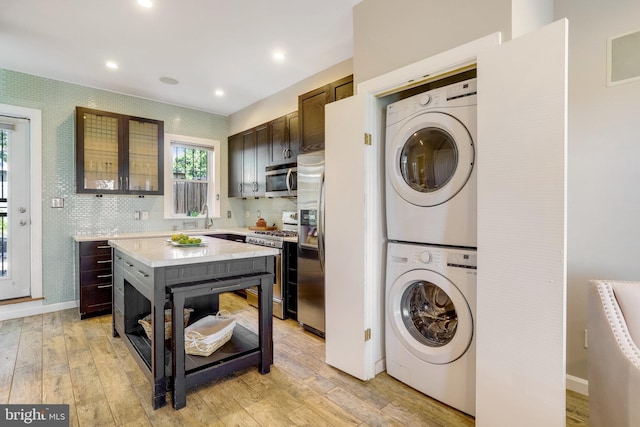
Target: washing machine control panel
462	260
424	257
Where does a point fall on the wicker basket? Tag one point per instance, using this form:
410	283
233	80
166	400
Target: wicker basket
208	334
145	322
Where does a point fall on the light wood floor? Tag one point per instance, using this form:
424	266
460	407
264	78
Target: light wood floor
57	358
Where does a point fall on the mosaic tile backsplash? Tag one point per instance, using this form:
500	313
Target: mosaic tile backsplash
89	214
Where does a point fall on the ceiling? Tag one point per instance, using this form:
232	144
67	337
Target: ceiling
203	44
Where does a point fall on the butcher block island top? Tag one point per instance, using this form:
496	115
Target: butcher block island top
152	275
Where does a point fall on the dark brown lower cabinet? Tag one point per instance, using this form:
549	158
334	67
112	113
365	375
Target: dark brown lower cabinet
94	277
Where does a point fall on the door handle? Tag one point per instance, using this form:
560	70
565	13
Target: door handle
22	210
23	222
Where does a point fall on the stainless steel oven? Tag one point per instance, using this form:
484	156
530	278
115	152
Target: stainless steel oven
275	239
282	180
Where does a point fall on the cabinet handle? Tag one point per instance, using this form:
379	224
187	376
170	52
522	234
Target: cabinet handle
103	247
240	188
284	153
103	276
104	286
143	274
104	261
119	257
128	264
288	153
126	180
255	187
121	182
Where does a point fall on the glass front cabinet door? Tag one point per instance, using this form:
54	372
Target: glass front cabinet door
118	154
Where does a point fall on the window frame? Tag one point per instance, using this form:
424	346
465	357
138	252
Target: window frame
213	164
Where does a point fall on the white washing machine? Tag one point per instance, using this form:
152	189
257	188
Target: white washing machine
430	321
430	158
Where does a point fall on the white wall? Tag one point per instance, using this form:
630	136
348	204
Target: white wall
285	101
604	145
527	15
391	34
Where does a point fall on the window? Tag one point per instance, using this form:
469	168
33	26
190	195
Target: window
192	176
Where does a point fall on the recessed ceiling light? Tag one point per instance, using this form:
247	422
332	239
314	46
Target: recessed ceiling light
113	65
145	3
279	55
168	80
219	92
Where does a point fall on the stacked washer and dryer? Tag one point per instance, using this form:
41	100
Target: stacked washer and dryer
431	195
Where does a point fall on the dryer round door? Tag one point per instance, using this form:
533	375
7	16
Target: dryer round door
430	316
430	159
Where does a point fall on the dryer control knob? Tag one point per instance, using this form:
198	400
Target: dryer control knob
425	257
425	100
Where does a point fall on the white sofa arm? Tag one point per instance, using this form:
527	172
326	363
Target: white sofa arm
613	356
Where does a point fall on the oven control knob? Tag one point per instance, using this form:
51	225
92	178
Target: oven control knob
425	257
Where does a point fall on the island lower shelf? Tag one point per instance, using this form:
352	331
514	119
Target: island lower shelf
243	342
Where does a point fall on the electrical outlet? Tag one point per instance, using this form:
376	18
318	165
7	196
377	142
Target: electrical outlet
136	215
145	215
248	214
228	214
57	202
259	214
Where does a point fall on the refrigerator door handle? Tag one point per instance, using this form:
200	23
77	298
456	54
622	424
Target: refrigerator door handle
321	222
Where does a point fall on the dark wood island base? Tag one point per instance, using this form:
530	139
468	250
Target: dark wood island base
149	277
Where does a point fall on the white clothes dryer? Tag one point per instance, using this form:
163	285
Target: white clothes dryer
430	159
430	321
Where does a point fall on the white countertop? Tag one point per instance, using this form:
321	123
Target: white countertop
143	234
149	234
157	252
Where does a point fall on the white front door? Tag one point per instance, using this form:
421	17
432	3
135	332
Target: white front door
15	209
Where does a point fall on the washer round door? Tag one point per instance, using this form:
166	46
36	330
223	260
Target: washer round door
430	316
430	159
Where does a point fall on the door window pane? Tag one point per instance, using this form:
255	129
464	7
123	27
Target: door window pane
428	159
429	314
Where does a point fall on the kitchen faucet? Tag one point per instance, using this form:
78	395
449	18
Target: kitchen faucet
205	211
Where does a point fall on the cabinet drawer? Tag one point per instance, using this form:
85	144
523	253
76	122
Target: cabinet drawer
95	262
99	247
89	278
95	297
135	272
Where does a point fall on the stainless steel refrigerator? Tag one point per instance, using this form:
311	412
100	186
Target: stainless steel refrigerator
311	241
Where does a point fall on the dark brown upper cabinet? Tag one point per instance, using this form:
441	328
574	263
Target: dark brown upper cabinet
248	159
284	134
236	157
118	154
311	112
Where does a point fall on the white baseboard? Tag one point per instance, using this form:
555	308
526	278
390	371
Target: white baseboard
577	384
31	308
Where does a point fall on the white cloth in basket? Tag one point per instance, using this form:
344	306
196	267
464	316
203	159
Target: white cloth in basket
208	334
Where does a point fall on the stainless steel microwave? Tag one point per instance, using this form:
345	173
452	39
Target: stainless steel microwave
282	180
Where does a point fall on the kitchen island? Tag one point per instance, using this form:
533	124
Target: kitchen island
152	275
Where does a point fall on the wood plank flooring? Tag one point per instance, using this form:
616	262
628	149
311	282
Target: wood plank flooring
57	358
